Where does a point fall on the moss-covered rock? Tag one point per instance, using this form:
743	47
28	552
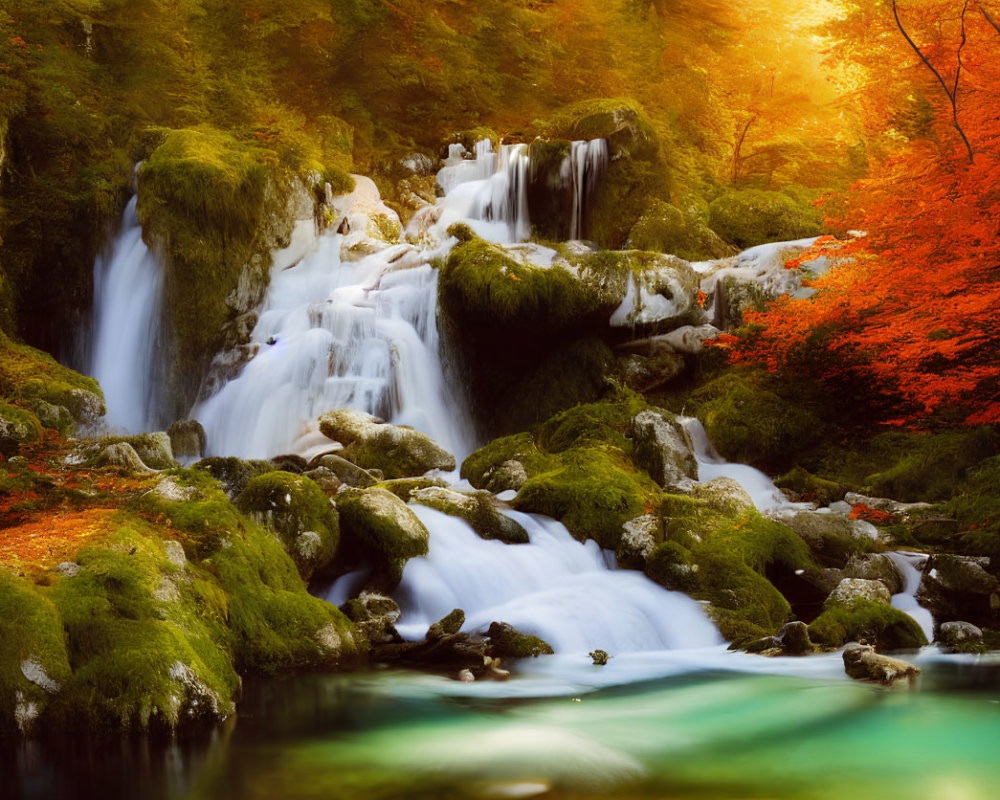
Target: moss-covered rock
748	217
665	228
382	531
480	466
17	427
395	450
28	375
233	473
662	448
960	588
879	624
34	665
298	512
749	423
215	205
810	488
507	642
833	539
344	470
187	439
862	663
404	488
478	509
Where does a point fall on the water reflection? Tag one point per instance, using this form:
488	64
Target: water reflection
687	735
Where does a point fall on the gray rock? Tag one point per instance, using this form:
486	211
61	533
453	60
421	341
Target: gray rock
638	539
662	448
794	639
959	588
850	590
344	471
905	511
874	567
476	508
959	636
123	456
32	670
833	539
509	476
862	663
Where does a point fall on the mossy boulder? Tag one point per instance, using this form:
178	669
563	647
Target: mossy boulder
477	508
810	488
122	456
28	375
877	623
34	665
299	513
833	539
380	530
748	217
621	121
749	423
404	488
862	663
233	473
665	228
187	439
397	451
344	470
17	427
960	588
507	642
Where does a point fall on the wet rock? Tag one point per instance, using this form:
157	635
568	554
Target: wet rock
345	471
233	473
874	567
383	531
17	427
794	640
959	588
476	508
960	637
851	589
725	495
662	448
398	451
448	625
599	657
325	480
154	449
508	476
187	439
375	616
862	663
905	512
638	539
290	462
404	488
507	642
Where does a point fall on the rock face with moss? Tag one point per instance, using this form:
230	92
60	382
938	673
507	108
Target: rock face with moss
395	450
216	206
748	217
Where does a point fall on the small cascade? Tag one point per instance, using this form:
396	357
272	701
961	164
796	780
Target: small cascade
335	334
765	495
566	592
489	191
910	566
128	289
583	170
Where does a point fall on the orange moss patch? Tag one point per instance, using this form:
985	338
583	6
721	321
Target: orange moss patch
53	538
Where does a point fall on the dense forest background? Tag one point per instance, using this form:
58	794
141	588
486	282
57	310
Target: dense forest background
799	99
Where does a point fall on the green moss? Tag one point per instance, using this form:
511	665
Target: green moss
976	506
809	487
291	506
665	228
748	217
233	473
620	120
28	374
31	631
404	487
907	466
383	522
17	427
591	423
143	642
479	510
670	565
521	447
749	423
878	624
506	642
594	490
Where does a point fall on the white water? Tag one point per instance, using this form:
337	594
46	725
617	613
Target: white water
566	592
128	288
584	167
335	334
764	494
910	566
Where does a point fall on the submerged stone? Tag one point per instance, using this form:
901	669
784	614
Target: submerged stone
862	663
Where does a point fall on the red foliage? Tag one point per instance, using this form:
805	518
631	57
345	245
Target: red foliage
910	310
873	515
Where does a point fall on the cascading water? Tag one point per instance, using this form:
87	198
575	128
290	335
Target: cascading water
566	592
128	288
910	566
584	169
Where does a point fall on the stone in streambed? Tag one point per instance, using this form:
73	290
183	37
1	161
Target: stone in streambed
862	663
398	451
187	439
345	471
477	509
508	642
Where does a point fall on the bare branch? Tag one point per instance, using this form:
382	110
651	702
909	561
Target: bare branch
951	93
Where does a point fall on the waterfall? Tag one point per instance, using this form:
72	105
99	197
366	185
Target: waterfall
583	170
338	334
128	288
566	592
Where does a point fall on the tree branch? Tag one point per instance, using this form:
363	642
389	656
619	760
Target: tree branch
952	93
989	19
